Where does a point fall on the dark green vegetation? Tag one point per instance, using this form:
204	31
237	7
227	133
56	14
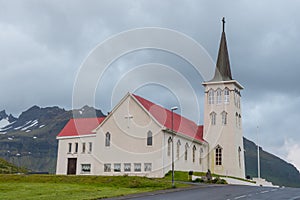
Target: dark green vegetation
39	154
9	168
273	169
76	187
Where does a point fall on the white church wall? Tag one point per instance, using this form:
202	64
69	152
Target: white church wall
181	161
129	141
229	137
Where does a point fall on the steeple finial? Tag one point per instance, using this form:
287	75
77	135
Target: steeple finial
223	20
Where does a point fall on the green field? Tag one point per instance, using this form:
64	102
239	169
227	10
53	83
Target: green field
78	187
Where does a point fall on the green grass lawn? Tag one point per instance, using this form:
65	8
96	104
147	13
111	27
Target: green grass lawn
77	187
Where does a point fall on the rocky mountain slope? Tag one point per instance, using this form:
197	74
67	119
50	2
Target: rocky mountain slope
30	139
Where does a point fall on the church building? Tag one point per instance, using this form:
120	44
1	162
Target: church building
139	137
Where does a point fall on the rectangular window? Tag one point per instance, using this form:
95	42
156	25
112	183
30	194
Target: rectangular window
107	167
127	167
149	138
147	167
83	147
70	148
137	167
117	167
90	147
76	147
85	168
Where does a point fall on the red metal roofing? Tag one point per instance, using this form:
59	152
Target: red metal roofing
84	126
180	123
80	126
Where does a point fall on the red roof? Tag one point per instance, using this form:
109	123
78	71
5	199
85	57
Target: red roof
181	124
84	126
80	126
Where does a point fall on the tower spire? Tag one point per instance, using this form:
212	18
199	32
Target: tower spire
223	72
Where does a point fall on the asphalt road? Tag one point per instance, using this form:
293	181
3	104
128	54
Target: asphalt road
228	192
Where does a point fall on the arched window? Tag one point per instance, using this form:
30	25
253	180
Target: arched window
107	139
213	118
200	155
186	151
240	120
149	138
219	96
239	155
194	153
178	149
237	119
226	95
169	146
211	96
224	118
218	155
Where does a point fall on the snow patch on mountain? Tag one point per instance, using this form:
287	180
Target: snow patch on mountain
34	123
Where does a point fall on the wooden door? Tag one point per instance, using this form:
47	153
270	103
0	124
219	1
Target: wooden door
72	162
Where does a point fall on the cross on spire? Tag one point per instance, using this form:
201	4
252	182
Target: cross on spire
223	20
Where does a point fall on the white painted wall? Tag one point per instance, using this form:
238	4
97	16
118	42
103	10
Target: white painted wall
230	136
129	145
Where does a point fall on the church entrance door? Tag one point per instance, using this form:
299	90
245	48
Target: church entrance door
72	162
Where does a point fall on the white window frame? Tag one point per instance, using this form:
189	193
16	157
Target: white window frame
213	118
137	167
127	167
147	167
86	168
117	167
211	96
107	167
224	118
219	96
226	95
218	155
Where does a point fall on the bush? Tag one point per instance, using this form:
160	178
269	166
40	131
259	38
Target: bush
198	180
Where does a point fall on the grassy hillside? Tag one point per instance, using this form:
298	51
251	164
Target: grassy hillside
9	168
273	169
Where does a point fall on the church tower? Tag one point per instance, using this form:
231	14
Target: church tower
223	118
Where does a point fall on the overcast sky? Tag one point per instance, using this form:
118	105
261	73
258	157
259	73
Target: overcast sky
44	43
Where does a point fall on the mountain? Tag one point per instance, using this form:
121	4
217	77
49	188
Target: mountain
273	169
30	139
9	168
